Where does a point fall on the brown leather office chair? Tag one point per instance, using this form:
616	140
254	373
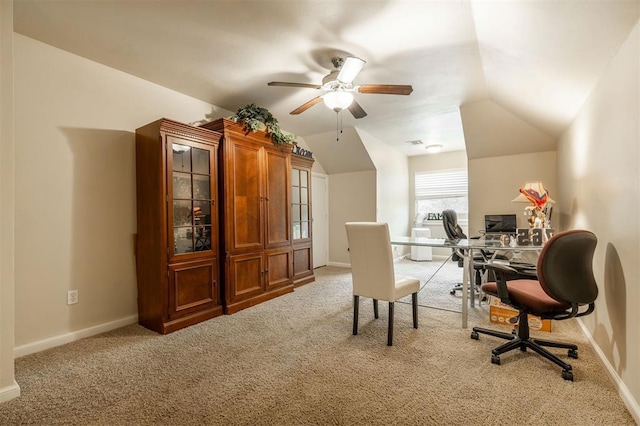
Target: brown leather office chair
565	288
373	272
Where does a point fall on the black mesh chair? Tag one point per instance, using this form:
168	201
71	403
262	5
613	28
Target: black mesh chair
565	288
454	232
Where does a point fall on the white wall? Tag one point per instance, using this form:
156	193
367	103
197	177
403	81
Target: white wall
9	389
392	184
492	131
346	155
317	167
504	153
378	195
75	187
599	181
352	198
495	181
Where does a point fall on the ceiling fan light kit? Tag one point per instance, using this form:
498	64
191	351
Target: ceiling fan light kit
339	87
338	101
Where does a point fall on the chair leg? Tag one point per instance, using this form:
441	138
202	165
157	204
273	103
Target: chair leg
390	332
553	344
356	303
375	308
414	303
523	341
548	355
494	333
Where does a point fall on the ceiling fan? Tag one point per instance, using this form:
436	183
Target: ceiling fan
339	88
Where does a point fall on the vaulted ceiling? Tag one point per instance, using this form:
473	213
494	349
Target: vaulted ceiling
538	60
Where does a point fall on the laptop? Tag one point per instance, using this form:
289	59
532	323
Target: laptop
496	225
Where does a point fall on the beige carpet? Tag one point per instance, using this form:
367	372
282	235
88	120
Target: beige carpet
293	361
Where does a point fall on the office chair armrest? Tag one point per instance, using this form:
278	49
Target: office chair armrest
501	268
501	272
529	274
574	312
518	270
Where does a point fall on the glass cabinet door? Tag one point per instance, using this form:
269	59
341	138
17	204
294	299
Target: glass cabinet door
191	188
300	214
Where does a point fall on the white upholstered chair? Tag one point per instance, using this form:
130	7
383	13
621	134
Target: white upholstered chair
373	272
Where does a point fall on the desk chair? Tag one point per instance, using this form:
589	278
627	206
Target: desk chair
565	288
373	272
454	232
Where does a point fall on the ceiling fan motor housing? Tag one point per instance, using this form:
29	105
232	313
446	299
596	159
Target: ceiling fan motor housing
330	82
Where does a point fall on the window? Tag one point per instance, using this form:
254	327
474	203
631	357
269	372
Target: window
438	191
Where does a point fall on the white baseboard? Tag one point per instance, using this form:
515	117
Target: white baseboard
52	342
339	265
9	392
626	396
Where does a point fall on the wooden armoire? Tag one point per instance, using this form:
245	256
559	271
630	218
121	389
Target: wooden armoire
177	241
256	227
224	221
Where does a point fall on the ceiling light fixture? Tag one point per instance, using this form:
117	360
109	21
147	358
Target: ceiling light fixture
433	149
338	100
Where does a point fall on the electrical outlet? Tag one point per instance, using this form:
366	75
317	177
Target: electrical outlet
72	297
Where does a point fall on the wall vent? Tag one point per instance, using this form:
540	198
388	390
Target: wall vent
415	142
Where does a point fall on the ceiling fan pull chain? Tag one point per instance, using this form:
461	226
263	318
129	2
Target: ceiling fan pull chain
337	127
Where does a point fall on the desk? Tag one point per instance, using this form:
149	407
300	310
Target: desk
467	247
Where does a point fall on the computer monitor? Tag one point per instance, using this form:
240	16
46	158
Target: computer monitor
500	223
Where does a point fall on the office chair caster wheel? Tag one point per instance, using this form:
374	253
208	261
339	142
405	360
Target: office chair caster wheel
573	354
452	292
495	359
567	375
475	335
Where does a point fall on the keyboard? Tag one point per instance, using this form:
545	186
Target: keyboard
493	237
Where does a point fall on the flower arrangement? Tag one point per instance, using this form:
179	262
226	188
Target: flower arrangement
535	194
255	118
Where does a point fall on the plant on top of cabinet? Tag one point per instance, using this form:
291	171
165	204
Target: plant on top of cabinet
255	118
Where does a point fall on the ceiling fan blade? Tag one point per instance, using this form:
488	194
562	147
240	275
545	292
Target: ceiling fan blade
356	110
350	69
285	84
386	89
302	108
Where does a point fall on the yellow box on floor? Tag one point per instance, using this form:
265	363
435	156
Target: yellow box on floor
499	313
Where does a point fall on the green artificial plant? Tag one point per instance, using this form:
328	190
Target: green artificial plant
255	118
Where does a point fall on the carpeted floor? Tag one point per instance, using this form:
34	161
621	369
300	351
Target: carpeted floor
293	361
437	278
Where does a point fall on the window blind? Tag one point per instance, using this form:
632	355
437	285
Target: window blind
444	184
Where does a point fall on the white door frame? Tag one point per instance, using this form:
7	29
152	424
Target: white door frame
320	217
